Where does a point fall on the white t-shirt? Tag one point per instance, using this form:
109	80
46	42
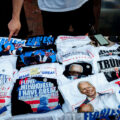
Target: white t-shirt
105	101
60	5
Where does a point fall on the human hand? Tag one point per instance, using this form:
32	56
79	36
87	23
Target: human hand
14	27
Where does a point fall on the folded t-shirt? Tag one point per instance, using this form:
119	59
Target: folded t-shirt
40	41
110	66
49	70
39	94
66	42
6	86
12	47
38	56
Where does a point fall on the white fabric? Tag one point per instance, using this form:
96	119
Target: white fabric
53	115
6	86
109	50
11	58
110	100
105	101
62	80
67	42
108	63
84	53
66	108
50	70
60	5
80	54
72	95
6	68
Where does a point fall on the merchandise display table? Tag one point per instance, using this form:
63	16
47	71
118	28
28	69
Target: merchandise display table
69	78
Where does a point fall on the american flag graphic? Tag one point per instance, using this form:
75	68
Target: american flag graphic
34	103
6	84
39	94
3	105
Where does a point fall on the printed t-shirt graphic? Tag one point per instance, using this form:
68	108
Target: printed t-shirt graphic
110	66
40	93
78	70
85	53
84	58
99	101
71	93
12	47
49	70
105	114
66	42
37	56
6	85
98	90
40	41
108	51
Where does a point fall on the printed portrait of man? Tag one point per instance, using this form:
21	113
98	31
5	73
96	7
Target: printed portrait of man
113	75
43	106
85	108
116	73
46	57
96	101
32	59
7	49
77	70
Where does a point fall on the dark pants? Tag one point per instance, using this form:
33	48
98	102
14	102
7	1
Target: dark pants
58	23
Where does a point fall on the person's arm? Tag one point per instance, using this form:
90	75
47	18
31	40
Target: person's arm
96	10
14	25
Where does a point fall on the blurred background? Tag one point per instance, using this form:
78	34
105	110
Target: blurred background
31	18
109	22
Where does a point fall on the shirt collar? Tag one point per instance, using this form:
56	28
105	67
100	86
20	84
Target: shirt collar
97	94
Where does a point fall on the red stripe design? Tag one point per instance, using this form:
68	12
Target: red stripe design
2	100
53	100
38	102
34	109
33	102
